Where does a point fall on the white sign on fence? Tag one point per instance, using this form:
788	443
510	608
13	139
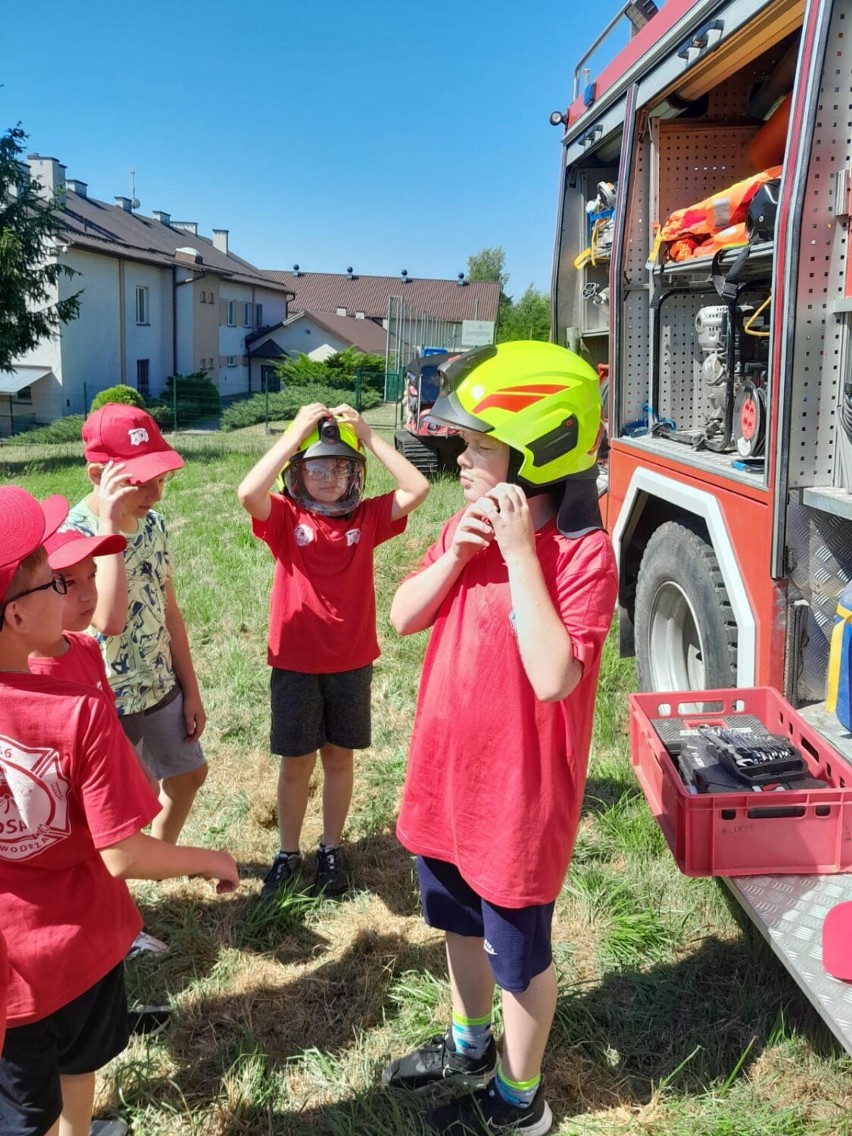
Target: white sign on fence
477	333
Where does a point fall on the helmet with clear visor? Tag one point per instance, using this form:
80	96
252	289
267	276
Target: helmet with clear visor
326	476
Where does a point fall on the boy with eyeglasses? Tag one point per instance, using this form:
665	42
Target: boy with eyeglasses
137	620
73	803
322	626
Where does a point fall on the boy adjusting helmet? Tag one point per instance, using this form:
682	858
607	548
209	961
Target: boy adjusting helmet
540	399
326	476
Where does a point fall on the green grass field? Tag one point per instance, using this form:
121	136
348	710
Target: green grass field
673	1016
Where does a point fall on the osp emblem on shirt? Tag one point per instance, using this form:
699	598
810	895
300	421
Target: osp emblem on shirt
353	536
303	534
33	800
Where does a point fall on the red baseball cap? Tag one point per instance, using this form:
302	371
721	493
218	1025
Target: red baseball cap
65	549
127	434
25	524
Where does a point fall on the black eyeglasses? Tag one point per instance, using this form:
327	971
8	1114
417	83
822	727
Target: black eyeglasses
58	583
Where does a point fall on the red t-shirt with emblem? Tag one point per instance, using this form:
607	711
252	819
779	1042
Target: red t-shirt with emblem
70	785
495	777
82	663
322	612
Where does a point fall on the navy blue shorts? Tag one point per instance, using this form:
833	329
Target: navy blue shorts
517	939
78	1038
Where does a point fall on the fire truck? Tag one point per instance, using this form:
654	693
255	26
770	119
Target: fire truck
726	352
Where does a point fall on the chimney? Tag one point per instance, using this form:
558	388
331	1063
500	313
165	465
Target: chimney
187	226
163	218
124	203
50	173
350	272
76	186
406	279
220	240
296	271
461	280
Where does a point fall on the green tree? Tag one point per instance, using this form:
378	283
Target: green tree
489	265
30	225
529	318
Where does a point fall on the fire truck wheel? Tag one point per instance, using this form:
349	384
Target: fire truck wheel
685	632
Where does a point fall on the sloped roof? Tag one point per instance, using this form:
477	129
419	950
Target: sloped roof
361	333
441	299
108	229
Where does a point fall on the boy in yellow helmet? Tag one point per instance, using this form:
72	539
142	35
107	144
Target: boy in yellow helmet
519	590
322	625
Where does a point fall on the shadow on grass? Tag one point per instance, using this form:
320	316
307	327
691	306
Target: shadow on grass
228	1049
602	793
613	1044
19	462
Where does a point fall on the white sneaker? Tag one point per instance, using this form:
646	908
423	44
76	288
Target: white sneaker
145	944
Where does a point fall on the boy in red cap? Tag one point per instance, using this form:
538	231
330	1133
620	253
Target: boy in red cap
73	803
137	618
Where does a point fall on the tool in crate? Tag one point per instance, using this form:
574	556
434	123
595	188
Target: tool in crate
721	760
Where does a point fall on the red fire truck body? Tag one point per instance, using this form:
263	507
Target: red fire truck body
729	391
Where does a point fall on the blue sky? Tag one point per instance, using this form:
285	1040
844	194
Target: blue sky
382	135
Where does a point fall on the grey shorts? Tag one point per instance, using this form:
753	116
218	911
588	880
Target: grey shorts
159	736
312	710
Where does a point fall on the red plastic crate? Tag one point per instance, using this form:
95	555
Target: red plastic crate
801	832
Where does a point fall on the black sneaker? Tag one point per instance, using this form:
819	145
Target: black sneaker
485	1112
284	870
438	1060
332	877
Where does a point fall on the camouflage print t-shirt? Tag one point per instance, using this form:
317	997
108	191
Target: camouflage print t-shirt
139	661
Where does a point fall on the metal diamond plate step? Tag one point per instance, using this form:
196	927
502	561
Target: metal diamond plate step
789	912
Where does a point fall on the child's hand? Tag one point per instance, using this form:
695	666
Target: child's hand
306	421
351	417
507	510
223	869
113	490
194	717
473	533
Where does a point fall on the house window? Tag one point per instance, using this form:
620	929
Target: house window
247	314
231	360
232	313
341	311
142	306
203	296
258	319
25	394
142	370
359	315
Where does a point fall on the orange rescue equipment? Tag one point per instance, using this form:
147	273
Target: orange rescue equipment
715	223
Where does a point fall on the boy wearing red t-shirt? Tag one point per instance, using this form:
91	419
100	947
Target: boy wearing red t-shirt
73	802
519	590
322	624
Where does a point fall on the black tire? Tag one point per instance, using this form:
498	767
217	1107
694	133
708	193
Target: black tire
420	456
685	632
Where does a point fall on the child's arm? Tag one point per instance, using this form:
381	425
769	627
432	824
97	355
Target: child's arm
110	615
141	857
418	598
194	716
412	488
544	644
253	492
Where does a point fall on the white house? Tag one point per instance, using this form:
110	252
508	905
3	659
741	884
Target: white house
158	298
315	334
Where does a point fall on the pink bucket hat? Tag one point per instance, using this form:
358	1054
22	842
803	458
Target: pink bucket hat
25	524
127	434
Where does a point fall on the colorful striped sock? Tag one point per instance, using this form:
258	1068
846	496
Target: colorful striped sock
471	1036
517	1093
